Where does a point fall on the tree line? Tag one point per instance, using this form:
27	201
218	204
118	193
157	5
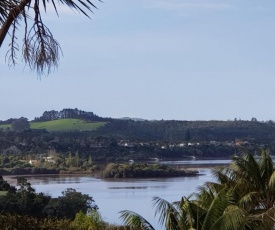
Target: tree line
69	114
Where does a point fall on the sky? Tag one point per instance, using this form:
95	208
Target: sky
154	59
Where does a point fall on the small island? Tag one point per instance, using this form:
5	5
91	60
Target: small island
113	170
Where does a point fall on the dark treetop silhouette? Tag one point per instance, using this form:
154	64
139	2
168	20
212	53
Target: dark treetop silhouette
40	50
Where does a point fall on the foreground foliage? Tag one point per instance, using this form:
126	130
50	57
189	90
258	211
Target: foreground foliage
81	222
25	201
242	197
22	208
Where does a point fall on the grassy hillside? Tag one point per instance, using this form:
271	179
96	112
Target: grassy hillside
4	126
67	125
64	125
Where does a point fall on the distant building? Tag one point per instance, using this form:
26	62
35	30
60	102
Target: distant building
49	159
33	162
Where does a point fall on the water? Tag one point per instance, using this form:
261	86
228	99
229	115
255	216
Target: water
113	196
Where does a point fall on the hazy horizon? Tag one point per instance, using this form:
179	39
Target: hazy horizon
142	118
154	59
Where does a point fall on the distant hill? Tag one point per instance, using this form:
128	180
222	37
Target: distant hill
197	130
164	130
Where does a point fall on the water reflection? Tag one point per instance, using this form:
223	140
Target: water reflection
54	179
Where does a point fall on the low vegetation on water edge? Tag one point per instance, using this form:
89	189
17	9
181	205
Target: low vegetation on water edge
113	170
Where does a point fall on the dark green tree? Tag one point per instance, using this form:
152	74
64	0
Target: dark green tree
24	201
20	124
187	136
70	203
76	159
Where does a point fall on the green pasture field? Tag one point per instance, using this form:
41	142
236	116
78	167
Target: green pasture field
64	125
4	126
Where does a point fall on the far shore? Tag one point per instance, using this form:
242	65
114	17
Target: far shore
12	179
33	178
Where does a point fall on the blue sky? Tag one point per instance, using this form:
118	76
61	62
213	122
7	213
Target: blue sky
154	59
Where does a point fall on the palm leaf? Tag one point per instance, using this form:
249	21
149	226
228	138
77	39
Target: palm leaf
247	201
265	165
168	213
271	182
246	169
233	218
216	209
79	5
135	220
192	214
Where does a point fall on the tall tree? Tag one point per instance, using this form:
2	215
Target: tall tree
20	124
76	158
187	135
41	51
70	203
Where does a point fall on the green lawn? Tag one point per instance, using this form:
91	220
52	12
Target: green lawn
64	125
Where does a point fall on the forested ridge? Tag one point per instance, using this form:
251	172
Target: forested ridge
175	130
118	140
199	130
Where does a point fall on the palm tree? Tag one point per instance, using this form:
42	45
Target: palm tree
253	185
250	192
40	49
242	197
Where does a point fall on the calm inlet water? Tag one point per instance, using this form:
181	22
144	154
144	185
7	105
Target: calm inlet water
136	195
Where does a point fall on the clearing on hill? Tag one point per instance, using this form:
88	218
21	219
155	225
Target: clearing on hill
67	125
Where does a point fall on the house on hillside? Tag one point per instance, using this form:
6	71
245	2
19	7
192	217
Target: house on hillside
49	160
33	162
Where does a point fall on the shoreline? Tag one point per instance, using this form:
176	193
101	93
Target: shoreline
34	178
12	179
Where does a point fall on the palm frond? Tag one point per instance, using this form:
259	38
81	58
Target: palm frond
192	214
221	175
135	220
216	209
247	169
265	165
271	182
207	193
79	5
247	201
168	213
232	218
